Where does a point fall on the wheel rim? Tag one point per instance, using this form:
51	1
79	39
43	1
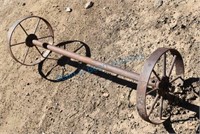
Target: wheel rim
16	47
155	109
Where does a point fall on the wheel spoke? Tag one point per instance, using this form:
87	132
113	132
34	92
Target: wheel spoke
179	77
154	72
172	66
153	104
164	65
23	29
39	51
161	106
36	27
151	91
17	44
26	53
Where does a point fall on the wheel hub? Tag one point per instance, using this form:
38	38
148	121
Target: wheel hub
29	40
164	86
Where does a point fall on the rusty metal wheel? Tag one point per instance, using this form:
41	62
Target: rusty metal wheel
20	38
153	102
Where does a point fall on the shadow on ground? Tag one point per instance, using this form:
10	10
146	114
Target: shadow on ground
62	61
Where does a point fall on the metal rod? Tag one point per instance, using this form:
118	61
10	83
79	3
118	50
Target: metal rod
103	66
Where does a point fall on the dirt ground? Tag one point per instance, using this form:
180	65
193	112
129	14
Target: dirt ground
37	100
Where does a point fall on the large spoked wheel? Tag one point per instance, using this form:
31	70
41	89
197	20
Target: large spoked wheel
20	38
157	83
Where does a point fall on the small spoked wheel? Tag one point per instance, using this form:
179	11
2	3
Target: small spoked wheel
157	84
21	35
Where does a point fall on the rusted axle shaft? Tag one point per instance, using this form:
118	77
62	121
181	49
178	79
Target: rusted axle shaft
132	75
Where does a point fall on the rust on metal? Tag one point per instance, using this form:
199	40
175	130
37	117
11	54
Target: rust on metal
89	61
163	81
28	39
160	85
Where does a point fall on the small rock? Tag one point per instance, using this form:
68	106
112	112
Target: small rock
158	3
89	4
175	112
119	104
130	115
27	94
181	122
68	9
183	26
106	8
106	95
24	4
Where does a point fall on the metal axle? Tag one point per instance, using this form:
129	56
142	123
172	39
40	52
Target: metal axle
131	75
154	84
